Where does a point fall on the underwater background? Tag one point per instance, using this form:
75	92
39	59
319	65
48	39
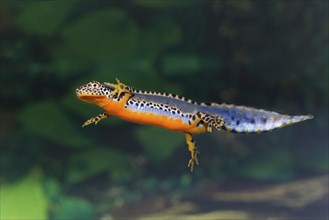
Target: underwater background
265	54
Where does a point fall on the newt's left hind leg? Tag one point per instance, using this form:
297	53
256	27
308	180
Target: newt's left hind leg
192	147
207	122
211	121
96	119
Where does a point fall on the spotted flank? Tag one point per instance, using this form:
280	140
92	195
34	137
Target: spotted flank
177	113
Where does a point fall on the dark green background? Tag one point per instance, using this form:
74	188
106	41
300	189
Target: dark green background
266	54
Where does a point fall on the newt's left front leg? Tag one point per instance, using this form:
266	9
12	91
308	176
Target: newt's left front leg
120	88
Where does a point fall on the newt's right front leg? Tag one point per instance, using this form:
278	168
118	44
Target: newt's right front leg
96	119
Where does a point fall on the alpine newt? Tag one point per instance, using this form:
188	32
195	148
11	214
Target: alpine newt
178	113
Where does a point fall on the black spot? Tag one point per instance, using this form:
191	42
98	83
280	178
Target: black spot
142	105
252	121
232	118
193	117
264	120
173	112
237	122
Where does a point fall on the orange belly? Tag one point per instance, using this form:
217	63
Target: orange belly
117	109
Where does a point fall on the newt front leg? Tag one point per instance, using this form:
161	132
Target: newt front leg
120	88
96	119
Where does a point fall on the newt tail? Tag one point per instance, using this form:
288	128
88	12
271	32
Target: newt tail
177	113
241	119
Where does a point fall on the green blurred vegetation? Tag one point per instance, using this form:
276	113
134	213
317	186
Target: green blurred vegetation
270	54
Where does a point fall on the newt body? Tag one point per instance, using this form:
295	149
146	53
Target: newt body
178	113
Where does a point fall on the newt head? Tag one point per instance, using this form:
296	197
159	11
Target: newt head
95	92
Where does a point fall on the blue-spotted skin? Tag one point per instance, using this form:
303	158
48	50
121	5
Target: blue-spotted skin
243	119
238	119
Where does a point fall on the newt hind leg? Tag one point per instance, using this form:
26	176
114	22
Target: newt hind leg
192	147
208	121
211	121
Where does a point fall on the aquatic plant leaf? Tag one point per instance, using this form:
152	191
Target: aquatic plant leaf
48	120
52	188
160	34
96	161
168	31
159	144
20	154
73	208
24	199
102	36
44	17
